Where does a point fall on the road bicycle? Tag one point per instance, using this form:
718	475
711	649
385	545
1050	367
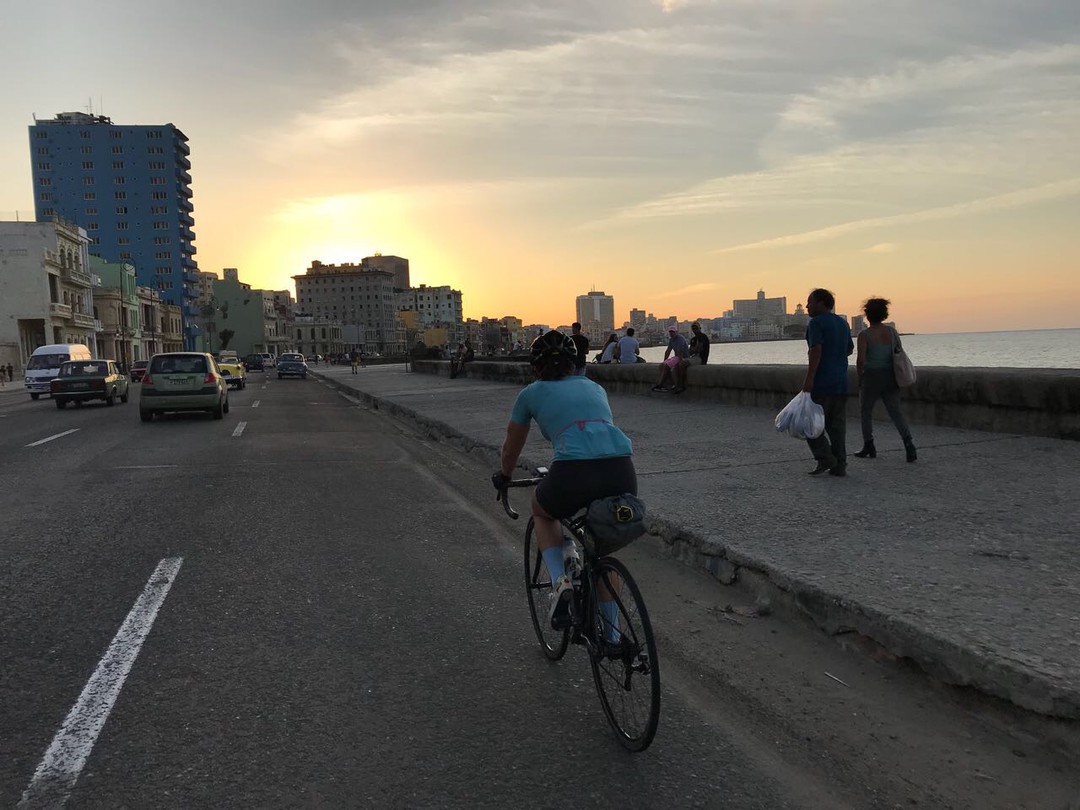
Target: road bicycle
622	653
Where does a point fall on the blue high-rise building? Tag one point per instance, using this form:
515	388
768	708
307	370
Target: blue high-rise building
130	188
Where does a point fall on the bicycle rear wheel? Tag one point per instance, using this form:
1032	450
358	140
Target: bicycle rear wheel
538	588
627	673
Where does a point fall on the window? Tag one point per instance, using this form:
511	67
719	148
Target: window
86	150
123	240
119	195
48	212
89	195
119	180
91	212
161	226
159	209
121	209
85	134
118	150
118	164
161	240
44	181
155	150
124	256
41	134
116	134
163	254
45	167
157	181
91	226
153	134
158	165
121	226
159	195
46	196
88	181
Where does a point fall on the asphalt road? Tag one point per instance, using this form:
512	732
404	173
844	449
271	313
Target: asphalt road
347	628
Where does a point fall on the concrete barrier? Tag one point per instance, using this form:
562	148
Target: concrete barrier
1031	402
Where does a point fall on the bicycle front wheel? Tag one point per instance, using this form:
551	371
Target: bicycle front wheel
538	589
625	666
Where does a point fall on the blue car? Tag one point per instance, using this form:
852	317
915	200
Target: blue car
292	364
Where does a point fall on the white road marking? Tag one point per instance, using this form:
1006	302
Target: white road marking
239	429
255	404
64	760
146	467
50	438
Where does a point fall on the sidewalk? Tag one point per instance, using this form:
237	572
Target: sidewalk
967	561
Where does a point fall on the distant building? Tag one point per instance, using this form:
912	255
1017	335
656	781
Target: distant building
129	188
858	324
436	308
45	288
761	308
396	265
359	297
596	314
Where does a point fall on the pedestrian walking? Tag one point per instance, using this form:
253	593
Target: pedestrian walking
10	373
829	339
877	379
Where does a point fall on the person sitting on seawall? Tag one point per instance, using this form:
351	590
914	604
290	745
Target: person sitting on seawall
629	349
607	355
593	458
699	355
677	350
877	380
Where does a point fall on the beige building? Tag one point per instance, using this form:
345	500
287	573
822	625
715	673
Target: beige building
596	314
358	297
45	289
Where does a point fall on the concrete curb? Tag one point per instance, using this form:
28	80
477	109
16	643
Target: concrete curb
833	613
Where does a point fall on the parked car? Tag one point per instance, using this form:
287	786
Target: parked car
81	380
138	368
233	372
269	360
292	364
183	381
254	362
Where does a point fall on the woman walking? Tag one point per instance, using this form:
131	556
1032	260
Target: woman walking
877	380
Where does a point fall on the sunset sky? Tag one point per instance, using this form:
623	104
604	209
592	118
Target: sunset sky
675	154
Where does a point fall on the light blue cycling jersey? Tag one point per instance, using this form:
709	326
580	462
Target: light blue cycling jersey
574	415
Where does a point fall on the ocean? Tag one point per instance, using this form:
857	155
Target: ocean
1036	348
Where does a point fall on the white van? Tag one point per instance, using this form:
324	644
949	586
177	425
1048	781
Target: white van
44	364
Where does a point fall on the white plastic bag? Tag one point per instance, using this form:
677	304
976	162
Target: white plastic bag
802	418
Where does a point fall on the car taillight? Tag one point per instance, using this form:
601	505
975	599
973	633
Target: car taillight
146	379
211	377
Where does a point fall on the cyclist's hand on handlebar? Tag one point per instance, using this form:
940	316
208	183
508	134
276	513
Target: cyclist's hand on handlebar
499	481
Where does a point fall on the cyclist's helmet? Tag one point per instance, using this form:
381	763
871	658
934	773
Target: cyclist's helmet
552	348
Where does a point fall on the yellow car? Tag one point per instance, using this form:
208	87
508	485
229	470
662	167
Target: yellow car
233	372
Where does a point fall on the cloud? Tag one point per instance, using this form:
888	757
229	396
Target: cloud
688	290
884	247
1000	202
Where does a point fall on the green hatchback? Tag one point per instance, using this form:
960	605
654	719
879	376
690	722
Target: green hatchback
183	381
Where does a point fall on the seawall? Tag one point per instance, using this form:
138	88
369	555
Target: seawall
1030	402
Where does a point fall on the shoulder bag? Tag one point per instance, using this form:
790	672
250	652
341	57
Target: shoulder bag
903	368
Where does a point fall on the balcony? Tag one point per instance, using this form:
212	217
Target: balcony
59	310
83	320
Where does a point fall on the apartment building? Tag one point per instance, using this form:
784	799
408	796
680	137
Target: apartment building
358	297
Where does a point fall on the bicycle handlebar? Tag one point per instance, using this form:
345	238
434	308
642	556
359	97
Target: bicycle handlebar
503	494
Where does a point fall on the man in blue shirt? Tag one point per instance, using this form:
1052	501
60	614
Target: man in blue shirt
829	339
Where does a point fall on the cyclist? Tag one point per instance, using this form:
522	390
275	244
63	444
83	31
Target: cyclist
592	456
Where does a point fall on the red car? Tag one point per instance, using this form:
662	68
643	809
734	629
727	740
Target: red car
138	369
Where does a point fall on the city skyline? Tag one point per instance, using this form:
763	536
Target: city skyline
676	154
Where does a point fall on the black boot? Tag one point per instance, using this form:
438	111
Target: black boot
909	445
868	450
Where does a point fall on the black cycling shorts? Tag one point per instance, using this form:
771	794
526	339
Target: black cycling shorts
570	486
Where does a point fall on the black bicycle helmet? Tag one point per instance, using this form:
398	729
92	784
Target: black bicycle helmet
551	347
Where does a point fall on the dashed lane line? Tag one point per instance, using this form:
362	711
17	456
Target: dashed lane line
50	438
55	777
239	429
255	404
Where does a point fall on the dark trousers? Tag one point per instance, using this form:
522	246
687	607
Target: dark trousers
830	447
880	383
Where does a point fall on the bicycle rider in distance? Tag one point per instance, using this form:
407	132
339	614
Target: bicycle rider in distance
593	458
